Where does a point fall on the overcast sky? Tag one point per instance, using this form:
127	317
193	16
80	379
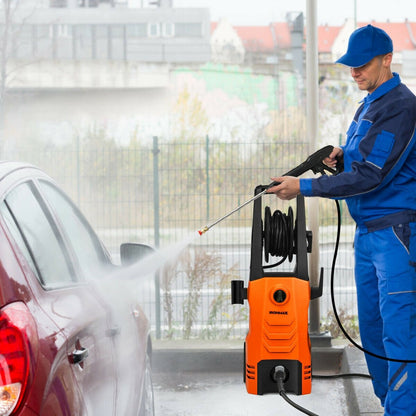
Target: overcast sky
333	12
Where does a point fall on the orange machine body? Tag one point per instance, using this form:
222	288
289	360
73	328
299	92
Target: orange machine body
278	334
279	304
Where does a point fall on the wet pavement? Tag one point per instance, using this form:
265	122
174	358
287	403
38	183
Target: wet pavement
205	379
224	394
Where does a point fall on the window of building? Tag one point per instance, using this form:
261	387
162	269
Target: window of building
138	30
188	30
153	30
168	29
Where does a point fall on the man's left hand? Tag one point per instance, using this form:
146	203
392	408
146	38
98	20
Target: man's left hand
288	187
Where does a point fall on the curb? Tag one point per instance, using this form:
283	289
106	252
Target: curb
359	391
230	360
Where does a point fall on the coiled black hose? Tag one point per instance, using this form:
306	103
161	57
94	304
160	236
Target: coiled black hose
278	236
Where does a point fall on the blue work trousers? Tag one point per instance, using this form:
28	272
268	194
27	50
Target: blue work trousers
385	273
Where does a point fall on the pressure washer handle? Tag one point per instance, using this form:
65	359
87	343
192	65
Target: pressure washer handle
315	163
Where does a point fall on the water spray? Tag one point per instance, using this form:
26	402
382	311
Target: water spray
314	162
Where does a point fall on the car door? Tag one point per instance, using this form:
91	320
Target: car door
130	342
127	326
68	299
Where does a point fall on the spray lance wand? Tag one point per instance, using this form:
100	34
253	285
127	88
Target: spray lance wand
314	162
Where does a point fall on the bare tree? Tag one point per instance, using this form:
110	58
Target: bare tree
12	24
7	12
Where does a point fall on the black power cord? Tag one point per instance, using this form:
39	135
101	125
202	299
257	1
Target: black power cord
334	307
279	376
342	375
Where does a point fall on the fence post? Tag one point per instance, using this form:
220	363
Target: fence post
207	171
155	152
312	97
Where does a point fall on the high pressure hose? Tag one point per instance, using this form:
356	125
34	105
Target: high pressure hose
279	240
278	236
334	307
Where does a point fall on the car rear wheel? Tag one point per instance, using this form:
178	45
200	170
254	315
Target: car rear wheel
147	407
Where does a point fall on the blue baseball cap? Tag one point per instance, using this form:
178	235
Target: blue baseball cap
364	44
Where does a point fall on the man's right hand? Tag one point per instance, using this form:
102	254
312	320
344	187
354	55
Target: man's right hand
334	157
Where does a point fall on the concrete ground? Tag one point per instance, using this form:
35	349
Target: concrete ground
205	379
209	394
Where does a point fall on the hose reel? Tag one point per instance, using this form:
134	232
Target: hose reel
279	236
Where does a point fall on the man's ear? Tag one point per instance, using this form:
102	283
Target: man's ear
387	58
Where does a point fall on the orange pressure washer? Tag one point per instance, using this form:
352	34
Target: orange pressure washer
279	301
277	348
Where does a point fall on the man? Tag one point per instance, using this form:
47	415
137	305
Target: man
379	186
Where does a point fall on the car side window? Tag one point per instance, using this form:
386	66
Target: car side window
39	236
14	230
83	240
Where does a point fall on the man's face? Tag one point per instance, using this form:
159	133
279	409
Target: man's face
371	75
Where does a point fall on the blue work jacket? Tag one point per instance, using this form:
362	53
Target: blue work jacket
379	177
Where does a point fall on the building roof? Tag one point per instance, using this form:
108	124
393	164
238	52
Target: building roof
256	38
262	38
267	38
326	37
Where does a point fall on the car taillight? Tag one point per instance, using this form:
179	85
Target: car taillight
17	328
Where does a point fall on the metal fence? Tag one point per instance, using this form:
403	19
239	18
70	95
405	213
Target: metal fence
161	192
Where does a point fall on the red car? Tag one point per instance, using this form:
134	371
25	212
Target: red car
73	340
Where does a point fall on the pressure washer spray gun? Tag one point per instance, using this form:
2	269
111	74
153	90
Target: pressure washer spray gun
314	163
277	350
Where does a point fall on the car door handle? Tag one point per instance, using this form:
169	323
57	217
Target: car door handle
78	356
